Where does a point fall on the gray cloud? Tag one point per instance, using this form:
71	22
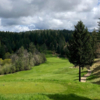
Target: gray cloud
19	8
21	15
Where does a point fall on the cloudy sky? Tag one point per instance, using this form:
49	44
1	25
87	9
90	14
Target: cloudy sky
24	15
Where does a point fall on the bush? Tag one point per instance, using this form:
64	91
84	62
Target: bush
37	59
7	68
31	62
13	69
43	58
22	60
7	55
6	61
1	71
1	61
14	57
18	64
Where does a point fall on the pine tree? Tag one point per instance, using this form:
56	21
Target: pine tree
79	48
95	42
98	41
32	48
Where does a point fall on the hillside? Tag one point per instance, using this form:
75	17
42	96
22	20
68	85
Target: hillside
56	79
42	40
95	76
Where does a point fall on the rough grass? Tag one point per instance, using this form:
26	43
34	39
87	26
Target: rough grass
95	76
56	79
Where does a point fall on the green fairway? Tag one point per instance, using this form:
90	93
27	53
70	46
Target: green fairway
56	79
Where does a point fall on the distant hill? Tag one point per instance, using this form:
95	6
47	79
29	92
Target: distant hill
54	40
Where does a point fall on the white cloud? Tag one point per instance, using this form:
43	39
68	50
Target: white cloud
21	28
21	15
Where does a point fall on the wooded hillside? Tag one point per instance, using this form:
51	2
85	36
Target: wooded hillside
54	40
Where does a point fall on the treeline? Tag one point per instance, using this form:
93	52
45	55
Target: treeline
21	60
43	40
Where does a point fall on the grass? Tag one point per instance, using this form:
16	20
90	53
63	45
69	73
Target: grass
56	79
95	76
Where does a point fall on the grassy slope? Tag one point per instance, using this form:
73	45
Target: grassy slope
95	76
54	80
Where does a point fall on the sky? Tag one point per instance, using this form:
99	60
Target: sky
25	15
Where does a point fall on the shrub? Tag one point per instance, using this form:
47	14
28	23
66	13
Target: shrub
22	60
14	57
6	61
1	61
7	55
1	71
31	62
13	69
17	64
37	59
7	68
43	57
26	63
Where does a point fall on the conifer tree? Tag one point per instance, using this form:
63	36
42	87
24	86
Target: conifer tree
95	42
98	41
79	48
32	48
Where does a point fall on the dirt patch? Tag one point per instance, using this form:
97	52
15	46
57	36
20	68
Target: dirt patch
1	75
83	79
70	67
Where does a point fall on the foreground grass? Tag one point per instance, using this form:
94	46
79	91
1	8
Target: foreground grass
56	79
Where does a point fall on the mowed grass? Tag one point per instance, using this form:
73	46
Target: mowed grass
56	79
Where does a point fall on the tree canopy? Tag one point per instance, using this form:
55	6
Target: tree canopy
43	40
79	49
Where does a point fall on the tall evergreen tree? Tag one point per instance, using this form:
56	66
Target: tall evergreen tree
98	40
32	48
80	50
2	52
95	42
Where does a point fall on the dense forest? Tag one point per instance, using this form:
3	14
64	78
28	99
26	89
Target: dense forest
23	50
55	40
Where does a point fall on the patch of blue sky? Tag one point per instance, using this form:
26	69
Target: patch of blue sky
98	2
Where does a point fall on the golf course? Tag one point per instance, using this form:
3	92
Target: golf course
56	79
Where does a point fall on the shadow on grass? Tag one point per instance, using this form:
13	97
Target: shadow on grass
97	61
67	97
98	82
92	77
84	71
96	69
96	75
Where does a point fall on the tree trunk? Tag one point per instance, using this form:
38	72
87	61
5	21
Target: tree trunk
79	73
